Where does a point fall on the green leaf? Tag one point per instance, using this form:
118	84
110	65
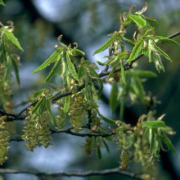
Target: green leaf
152	22
67	104
167	40
111	73
154	124
168	143
8	68
48	106
138	88
71	68
105	45
99	154
160	51
108	120
106	146
38	105
77	52
14	64
54	70
38	93
136	50
113	102
128	41
54	57
138	20
144	73
81	71
95	74
10	37
2	3
158	63
123	73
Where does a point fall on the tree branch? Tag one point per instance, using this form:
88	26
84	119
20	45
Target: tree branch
127	66
72	173
69	131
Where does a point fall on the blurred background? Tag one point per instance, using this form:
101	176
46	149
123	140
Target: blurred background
38	23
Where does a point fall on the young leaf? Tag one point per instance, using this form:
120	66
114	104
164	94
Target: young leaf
167	40
14	64
2	3
48	106
71	68
54	57
138	20
144	73
10	37
99	152
8	68
54	70
113	102
95	74
168	143
77	52
152	22
158	63
136	50
160	51
38	93
67	104
111	73
105	45
123	73
138	88
86	86
154	124
110	121
39	105
106	146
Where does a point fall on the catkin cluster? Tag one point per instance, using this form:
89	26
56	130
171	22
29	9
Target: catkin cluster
60	118
92	107
4	140
36	131
77	112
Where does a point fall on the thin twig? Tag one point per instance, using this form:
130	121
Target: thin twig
72	173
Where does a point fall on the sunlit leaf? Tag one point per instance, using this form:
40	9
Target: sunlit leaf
71	68
138	20
99	154
2	3
152	22
10	37
160	51
123	73
168	143
15	66
38	105
167	40
106	146
77	52
108	120
67	104
48	106
54	57
105	45
154	124
54	70
144	73
113	102
136	50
